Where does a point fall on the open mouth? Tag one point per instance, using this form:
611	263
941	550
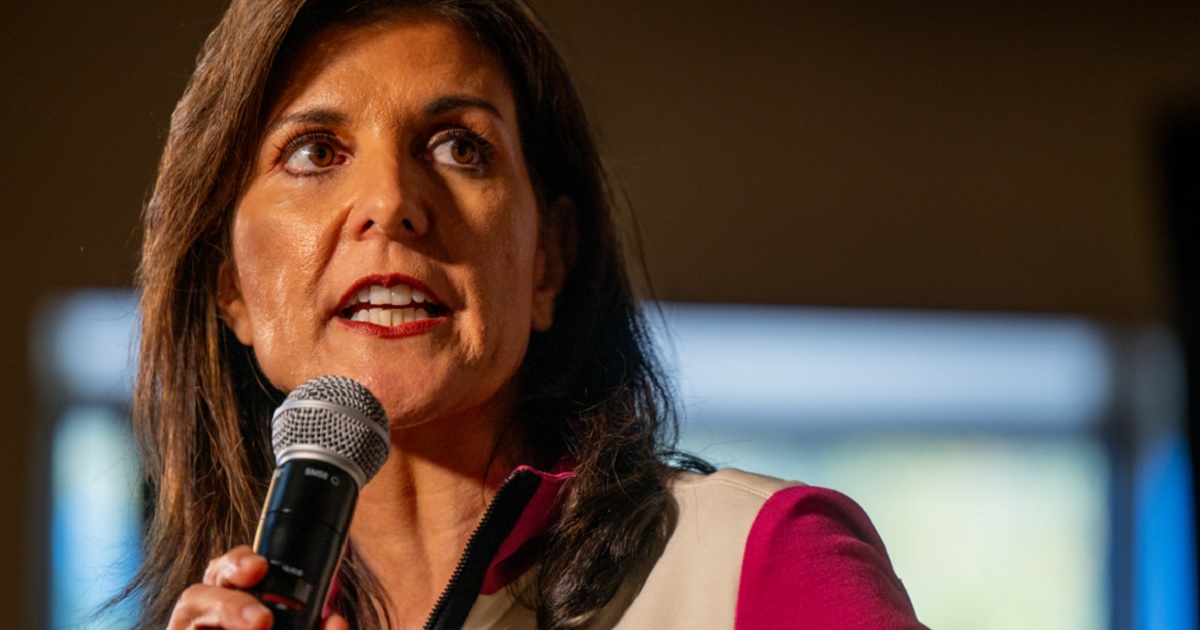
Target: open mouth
390	306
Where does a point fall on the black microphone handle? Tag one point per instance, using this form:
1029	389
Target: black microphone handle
302	534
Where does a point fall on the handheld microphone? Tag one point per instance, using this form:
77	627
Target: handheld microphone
330	437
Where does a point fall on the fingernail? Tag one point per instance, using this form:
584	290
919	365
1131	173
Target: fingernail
227	571
255	613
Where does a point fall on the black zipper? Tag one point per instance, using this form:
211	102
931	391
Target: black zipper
498	521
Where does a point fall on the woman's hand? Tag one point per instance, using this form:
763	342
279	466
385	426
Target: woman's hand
217	602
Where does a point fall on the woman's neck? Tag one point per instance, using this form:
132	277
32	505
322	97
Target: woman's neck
415	517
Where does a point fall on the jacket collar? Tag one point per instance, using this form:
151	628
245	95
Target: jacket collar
519	549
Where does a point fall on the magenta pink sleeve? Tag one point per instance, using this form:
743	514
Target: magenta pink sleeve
814	560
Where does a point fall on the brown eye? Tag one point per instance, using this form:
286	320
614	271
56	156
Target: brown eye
464	152
312	156
461	149
320	154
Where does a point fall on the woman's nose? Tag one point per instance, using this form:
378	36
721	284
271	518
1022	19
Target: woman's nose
388	200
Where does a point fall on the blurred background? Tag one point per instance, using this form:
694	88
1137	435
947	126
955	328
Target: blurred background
932	254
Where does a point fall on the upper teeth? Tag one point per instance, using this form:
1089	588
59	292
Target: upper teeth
384	299
390	316
399	295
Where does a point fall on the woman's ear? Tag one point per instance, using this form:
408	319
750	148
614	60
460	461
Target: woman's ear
231	305
557	241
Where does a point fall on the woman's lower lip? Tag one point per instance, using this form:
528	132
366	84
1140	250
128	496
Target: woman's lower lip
393	332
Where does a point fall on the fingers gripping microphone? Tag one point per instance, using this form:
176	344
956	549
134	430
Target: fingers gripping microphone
330	437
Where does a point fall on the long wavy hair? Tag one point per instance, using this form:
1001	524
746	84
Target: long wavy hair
589	387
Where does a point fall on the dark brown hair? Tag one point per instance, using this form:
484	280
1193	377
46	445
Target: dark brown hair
589	387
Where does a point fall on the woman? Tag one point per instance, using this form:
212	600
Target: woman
407	193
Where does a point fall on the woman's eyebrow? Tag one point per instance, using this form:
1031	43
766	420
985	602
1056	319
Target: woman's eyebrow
316	116
329	117
448	103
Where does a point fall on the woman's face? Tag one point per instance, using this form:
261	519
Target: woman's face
390	232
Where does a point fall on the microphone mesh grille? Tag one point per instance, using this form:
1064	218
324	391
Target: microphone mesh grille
341	431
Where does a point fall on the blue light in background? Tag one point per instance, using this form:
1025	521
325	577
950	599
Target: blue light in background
811	366
798	369
1165	572
84	345
95	515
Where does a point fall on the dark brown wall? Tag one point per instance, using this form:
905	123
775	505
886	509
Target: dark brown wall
932	154
86	92
947	155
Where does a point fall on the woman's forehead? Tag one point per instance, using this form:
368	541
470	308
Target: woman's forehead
409	56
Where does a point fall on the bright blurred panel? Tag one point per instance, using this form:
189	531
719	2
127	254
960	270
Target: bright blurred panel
84	345
975	442
95	515
987	533
838	367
